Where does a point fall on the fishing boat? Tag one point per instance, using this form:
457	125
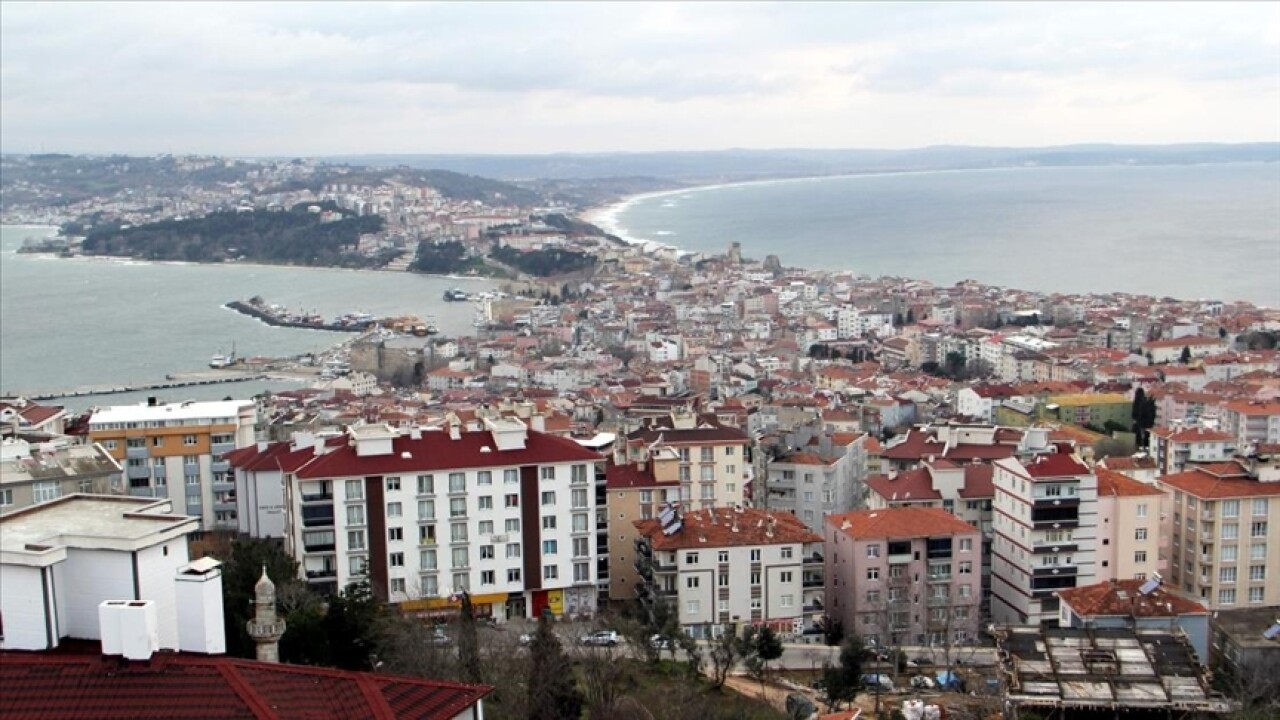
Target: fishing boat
221	360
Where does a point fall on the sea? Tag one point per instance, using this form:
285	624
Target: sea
1183	231
76	322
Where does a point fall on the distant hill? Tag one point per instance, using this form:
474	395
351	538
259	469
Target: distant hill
720	165
452	185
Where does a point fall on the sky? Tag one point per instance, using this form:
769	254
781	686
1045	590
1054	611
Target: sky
328	78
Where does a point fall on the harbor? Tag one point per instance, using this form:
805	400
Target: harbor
172	382
351	322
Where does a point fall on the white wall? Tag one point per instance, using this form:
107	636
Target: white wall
157	567
22	603
92	577
200	622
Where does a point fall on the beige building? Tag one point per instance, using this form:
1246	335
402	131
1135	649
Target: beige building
1130	535
1225	521
33	473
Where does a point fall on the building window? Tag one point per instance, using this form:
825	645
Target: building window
486	502
549	498
1257	572
1260	507
722	579
784	577
548	522
395	534
426	509
486	577
966	544
646	496
786	553
511	525
1227	575
691	558
356	565
427	559
513	550
693	607
191	461
579	522
547	473
1230	508
393	484
550	572
550	547
457	482
1257	551
1140	556
1140	534
1230	531
511	476
578	499
189	440
691	582
578	474
1258	529
513	575
486	527
461	581
394	510
511	501
787	601
45	491
755	555
873	551
355	515
966	591
457	507
873	573
722	556
1256	594
1228	553
461	557
430	586
396	559
1142	510
484	477
1227	597
6	497
580	547
966	567
109	444
355	539
354	489
426	485
458	532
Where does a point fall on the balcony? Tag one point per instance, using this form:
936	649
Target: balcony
642	547
1054	502
133	453
319	547
1055	571
1065	523
812	583
813	559
901	559
135	472
940	577
317	497
322	574
903	580
1046	546
935	601
219	449
317	521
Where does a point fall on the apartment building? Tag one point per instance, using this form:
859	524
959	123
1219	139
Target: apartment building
714	461
962	444
33	473
1175	447
1132	544
175	451
1252	423
1224	527
505	513
904	576
726	568
1045	522
820	476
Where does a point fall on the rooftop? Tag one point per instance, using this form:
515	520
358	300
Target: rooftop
91	521
1246	625
1115	484
216	409
181	686
1206	485
903	522
1124	597
716	528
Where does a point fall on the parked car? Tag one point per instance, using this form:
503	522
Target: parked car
604	638
920	682
880	680
659	642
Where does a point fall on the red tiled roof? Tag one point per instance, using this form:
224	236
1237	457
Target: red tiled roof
699	531
717	435
180	686
36	414
1254	408
979	482
1205	486
1114	484
622	477
911	485
436	451
906	522
1130	463
1055	465
1121	597
1197	434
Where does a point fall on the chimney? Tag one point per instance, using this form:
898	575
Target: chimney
129	628
198	592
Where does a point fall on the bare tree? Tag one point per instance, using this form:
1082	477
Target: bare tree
604	679
725	653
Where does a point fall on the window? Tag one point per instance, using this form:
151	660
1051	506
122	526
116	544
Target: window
578	499
430	586
1258	529
722	579
486	577
787	601
193	479
427	559
189	440
355	539
484	477
511	501
1230	531
356	565
426	485
548	522
397	585
426	509
1256	594
691	558
966	544
707	473
1260	507
579	474
547	473
1140	534
135	442
722	557
511	476
109	444
548	498
966	591
1257	551
708	492
966	567
786	553
580	547
513	575
396	559
1228	553
46	491
1227	597
755	555
693	607
486	527
1142	510
486	552
394	510
579	522
461	581
1257	572
550	572
457	507
190	461
873	573
395	534
355	514
354	489
691	582
457	482
646	496
461	558
873	596
1140	556
550	547
6	497
513	550
393	484
873	551
486	502
512	525
1227	575
458	532
730	469
1230	508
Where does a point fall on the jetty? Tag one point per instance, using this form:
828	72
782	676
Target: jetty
169	384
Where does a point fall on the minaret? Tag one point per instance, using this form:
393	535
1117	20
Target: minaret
266	627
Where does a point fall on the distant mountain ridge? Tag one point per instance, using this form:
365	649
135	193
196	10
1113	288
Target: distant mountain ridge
741	164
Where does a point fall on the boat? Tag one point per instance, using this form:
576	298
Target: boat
220	360
455	295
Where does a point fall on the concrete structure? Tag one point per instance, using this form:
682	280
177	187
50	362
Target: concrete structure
507	513
175	451
1136	605
1223	539
727	568
1083	672
904	576
1045	536
822	475
1175	447
1132	542
39	472
60	560
1252	423
1240	647
714	461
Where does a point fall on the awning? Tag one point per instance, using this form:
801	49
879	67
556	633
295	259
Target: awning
490	599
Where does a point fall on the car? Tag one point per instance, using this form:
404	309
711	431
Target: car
878	680
659	642
603	638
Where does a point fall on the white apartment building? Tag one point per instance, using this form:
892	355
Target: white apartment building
1174	447
732	567
822	477
505	513
1045	518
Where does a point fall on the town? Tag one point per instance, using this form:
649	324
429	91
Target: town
996	497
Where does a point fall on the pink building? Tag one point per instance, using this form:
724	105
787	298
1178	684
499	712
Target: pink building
904	576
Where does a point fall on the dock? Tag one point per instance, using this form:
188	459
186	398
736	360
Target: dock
190	380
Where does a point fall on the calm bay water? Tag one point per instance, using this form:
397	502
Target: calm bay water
1191	231
66	323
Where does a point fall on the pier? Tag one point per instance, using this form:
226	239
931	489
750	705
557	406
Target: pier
191	380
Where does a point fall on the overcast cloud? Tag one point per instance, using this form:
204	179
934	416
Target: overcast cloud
295	79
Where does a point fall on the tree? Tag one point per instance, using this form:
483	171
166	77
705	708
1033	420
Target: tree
353	624
840	682
243	562
1185	357
832	629
468	647
552	692
725	652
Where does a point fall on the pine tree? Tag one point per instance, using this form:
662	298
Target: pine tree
552	692
468	645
